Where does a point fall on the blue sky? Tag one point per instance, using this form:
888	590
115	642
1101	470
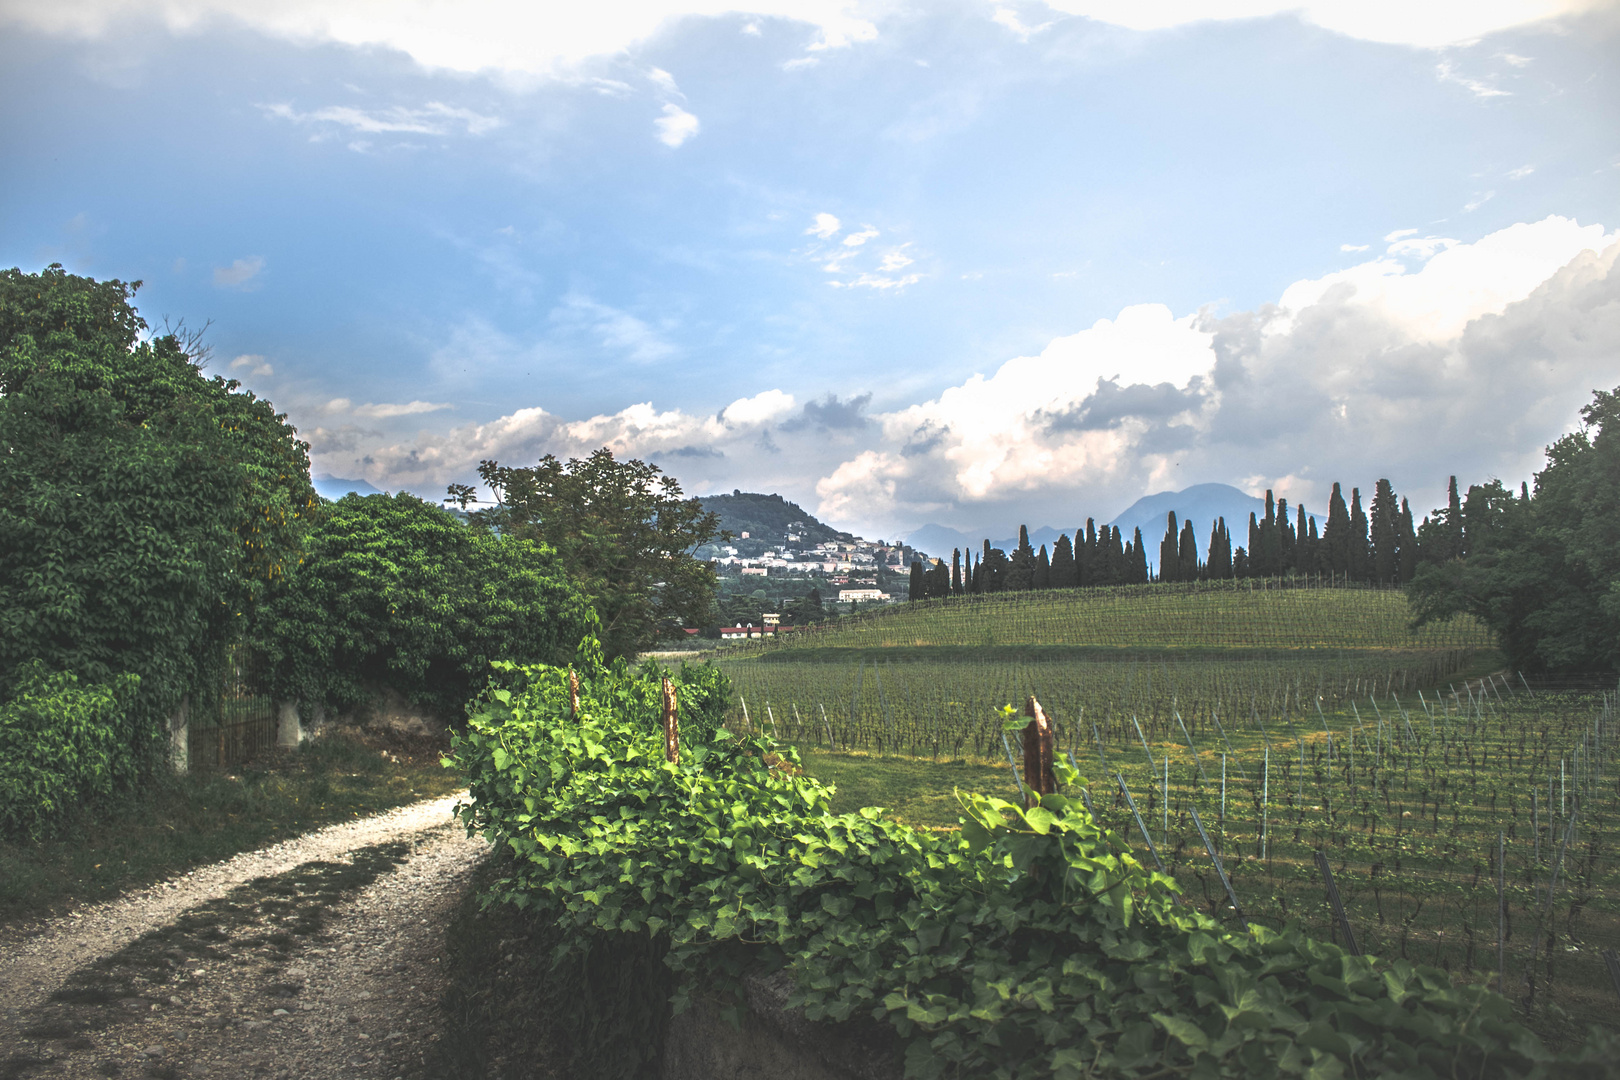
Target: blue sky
963	263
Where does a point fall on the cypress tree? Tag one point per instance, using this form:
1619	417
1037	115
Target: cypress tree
1021	571
1064	569
1169	557
1317	550
1407	545
1087	555
1187	555
1138	561
1219	562
1454	547
1043	570
1304	553
1116	556
1336	537
915	591
1360	561
956	571
994	569
939	580
1386	533
1285	539
1240	563
1253	546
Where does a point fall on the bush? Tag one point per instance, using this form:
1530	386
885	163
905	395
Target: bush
1030	944
62	745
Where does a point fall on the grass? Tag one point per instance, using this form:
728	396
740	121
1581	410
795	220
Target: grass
918	795
194	820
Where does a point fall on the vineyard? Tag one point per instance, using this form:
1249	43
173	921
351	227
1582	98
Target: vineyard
1241	614
1432	784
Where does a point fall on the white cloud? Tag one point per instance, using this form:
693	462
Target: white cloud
895	260
254	364
1354	247
407	408
800	63
1478	201
1446	71
665	82
1467	362
857	239
239	274
824	226
1431	24
1521	172
675	126
520	38
434	118
763	408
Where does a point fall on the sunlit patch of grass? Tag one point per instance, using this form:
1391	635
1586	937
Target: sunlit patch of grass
916	792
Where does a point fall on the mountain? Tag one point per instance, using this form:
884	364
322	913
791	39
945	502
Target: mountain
770	518
335	487
1201	504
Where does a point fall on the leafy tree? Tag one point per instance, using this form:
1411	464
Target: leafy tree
994	566
1021	568
1240	563
396	592
1543	572
144	507
621	530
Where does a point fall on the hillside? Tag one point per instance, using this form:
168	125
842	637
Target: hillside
1150	617
770	518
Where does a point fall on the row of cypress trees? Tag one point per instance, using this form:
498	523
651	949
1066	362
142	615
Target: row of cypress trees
1376	545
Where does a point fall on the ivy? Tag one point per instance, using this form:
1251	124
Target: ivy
1032	943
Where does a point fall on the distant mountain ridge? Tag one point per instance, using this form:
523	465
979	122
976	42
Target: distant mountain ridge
770	518
335	487
1201	504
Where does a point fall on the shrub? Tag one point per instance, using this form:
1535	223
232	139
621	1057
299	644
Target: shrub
62	745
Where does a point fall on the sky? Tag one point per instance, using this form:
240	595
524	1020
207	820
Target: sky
966	263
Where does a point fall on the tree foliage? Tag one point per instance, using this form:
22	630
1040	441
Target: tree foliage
1542	570
622	531
144	507
395	592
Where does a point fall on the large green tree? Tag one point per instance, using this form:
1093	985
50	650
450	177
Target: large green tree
1542	569
144	507
623	532
395	592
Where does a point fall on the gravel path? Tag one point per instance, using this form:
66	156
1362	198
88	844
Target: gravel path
318	957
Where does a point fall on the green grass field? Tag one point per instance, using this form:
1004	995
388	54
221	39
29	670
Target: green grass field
1401	757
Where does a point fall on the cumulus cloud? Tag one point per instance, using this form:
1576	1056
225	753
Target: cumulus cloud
1431	360
253	364
518	38
824	226
676	125
1428	25
240	274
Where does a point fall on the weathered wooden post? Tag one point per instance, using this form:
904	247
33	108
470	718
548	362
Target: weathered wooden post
1038	777
672	734
573	694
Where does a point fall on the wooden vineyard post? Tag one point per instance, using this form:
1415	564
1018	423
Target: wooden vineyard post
672	734
1338	904
1501	915
573	694
1038	777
